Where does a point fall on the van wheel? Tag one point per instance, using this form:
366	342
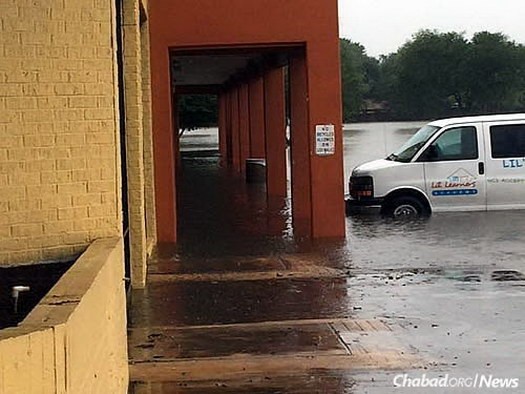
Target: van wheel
404	207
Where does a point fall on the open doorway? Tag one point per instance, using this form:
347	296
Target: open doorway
198	123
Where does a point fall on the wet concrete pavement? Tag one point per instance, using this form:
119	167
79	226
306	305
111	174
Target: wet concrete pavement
239	306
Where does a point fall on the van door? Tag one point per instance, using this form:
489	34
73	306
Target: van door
454	169
505	151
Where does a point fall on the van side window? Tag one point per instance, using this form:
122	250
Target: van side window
459	143
507	141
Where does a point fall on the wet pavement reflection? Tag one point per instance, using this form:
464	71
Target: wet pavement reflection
240	306
226	302
314	382
223	215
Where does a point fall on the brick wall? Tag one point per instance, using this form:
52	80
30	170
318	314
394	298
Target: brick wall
149	176
135	139
59	157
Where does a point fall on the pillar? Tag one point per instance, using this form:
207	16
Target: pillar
300	147
134	141
163	142
257	121
149	187
236	142
317	180
222	129
229	128
275	133
244	124
327	178
176	132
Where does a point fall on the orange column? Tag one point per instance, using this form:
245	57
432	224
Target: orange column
176	132
163	143
300	149
275	127
257	132
229	128
222	129
236	141
244	124
324	99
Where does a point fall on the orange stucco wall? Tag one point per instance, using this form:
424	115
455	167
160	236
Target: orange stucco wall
310	24
187	23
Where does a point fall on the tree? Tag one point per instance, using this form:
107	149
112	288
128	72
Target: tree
198	110
496	77
359	73
429	73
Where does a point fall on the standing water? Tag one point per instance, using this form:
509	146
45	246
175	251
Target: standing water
241	307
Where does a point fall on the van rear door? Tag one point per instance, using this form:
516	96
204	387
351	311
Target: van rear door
453	166
505	164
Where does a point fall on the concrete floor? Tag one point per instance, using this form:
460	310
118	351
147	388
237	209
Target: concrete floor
270	324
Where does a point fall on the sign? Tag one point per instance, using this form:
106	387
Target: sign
325	140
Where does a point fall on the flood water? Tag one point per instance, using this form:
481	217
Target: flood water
470	240
451	287
233	214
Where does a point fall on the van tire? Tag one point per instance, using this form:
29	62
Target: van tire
404	207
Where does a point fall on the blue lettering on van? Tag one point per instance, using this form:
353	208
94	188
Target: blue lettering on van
455	192
513	163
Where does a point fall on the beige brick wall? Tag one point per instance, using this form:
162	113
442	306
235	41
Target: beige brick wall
149	176
59	157
74	341
135	139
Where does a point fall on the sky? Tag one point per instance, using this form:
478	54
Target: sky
382	26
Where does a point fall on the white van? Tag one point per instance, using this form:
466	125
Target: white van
460	164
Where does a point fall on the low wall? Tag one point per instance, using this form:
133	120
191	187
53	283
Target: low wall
74	341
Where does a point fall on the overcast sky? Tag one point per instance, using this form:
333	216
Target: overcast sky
382	26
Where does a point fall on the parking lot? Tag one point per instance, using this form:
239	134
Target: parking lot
242	307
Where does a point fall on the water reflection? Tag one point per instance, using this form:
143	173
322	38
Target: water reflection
222	215
481	239
226	302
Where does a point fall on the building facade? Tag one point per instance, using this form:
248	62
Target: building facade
74	104
88	125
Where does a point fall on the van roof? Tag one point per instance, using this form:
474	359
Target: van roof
477	119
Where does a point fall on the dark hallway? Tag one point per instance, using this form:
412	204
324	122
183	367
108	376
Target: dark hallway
223	215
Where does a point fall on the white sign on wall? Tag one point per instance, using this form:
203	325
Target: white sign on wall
325	140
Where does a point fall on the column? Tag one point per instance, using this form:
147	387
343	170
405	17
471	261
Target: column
300	148
236	141
257	121
244	124
275	133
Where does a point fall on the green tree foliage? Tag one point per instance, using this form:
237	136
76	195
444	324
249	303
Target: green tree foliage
436	75
359	75
429	72
198	110
496	77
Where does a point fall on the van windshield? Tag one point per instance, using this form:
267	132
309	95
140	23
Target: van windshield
412	146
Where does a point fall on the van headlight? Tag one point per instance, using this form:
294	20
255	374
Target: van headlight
361	187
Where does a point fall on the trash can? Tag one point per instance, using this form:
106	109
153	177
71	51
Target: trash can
255	170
